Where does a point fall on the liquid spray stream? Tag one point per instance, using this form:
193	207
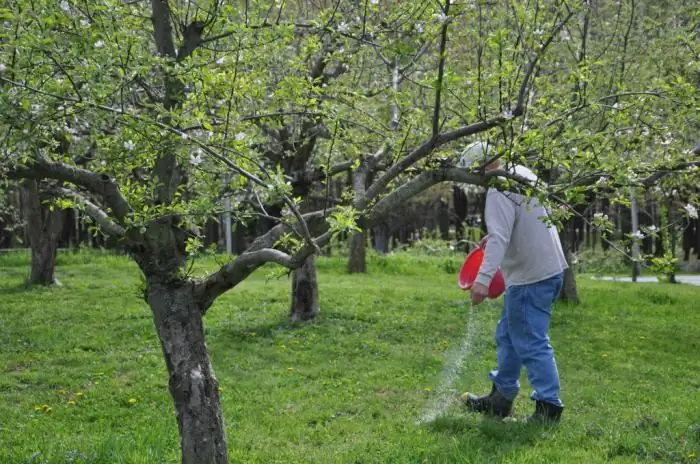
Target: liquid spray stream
444	395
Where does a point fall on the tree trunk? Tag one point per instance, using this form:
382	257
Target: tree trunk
443	219
381	239
356	259
44	228
305	303
357	241
178	321
634	210
569	292
461	207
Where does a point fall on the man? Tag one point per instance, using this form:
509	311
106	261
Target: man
532	260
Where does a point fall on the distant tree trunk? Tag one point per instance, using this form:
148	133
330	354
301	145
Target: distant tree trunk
177	316
636	269
305	303
43	229
381	238
569	292
443	219
460	204
673	241
357	253
357	241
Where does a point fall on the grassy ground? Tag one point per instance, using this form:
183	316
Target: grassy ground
83	379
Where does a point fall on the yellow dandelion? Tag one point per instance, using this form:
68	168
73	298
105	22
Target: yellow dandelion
290	369
71	401
691	456
221	389
133	401
97	382
283	347
253	334
428	389
38	408
79	394
605	355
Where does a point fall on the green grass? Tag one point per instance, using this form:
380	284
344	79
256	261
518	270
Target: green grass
349	387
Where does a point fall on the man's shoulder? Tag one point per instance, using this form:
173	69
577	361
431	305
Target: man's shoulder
501	195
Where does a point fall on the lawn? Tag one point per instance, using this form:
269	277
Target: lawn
83	379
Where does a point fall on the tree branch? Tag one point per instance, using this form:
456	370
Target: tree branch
441	69
102	219
427	148
530	69
233	273
99	184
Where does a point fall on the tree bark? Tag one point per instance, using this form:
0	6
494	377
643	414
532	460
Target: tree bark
357	241
177	316
305	302
381	239
636	268
569	292
357	259
44	227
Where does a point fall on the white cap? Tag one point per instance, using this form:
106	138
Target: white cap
477	151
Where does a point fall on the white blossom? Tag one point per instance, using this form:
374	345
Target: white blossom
539	32
564	35
508	115
374	2
221	60
129	145
84	22
692	211
343	28
638	235
65	6
196	159
184	136
99	44
2	68
602	181
598	215
240	136
652	229
418	27
617	105
441	17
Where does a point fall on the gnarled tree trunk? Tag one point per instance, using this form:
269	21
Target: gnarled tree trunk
177	316
305	303
44	228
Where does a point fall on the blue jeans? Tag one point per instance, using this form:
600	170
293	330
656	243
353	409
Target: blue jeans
521	339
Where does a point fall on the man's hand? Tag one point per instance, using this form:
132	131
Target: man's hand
479	293
482	243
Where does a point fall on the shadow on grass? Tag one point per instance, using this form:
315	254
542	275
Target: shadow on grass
495	436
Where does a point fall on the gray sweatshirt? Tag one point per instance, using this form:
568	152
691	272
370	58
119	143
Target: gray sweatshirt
526	249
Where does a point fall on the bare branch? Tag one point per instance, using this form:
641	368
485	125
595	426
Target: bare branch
98	184
102	219
530	69
442	57
233	273
427	148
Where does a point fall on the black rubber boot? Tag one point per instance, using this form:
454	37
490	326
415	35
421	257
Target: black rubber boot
546	413
493	404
